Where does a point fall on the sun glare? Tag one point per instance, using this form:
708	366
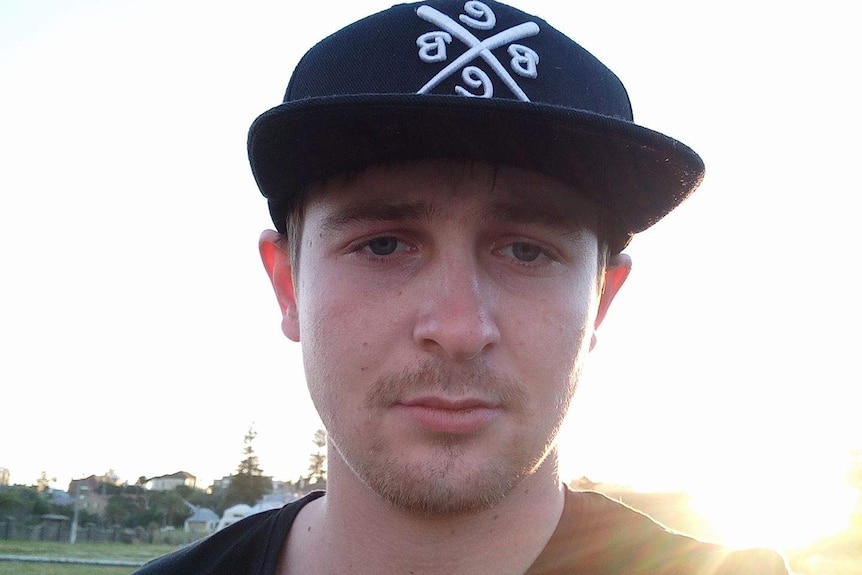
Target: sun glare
778	516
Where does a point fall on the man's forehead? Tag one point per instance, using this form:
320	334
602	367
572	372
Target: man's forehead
419	189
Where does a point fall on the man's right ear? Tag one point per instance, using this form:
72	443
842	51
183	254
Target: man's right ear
276	260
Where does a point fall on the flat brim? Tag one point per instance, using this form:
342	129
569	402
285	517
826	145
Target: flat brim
633	173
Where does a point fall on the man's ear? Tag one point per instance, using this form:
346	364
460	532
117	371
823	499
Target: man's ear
276	260
616	272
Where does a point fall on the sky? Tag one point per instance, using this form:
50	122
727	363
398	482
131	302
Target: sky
138	331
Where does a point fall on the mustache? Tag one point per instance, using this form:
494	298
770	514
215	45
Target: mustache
438	376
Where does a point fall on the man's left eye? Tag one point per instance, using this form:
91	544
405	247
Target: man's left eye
525	252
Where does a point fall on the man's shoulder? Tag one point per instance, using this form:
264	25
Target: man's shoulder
250	546
676	553
599	535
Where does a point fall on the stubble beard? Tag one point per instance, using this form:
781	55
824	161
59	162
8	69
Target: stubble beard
445	484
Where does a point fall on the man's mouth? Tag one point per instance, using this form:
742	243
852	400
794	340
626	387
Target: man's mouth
451	415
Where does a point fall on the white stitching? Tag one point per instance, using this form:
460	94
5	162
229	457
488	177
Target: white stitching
477	48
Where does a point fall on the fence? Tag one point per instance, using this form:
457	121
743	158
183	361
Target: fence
59	531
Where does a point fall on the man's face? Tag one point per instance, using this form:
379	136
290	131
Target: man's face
444	311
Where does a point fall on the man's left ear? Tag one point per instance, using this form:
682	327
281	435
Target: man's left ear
616	272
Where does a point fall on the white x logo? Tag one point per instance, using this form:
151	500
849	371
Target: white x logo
477	48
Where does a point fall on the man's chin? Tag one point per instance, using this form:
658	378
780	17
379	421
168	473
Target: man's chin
435	490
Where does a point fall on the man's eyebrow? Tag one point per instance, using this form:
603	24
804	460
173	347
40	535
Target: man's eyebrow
376	211
537	212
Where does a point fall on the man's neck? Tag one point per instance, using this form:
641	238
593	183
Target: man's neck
353	530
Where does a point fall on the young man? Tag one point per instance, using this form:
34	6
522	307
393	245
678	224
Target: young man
452	184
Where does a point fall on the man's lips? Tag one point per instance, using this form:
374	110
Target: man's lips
448	415
448	403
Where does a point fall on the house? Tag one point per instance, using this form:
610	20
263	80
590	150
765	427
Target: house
203	521
274	500
89	494
266	503
219	485
91	484
171	482
57	497
232	515
94	503
94	483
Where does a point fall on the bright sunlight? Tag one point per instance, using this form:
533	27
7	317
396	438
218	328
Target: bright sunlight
780	515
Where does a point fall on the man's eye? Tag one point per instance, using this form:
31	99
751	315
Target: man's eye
383	246
525	252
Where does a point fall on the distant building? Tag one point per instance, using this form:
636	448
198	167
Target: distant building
219	485
203	521
274	500
93	483
94	503
4	477
289	488
90	492
171	482
58	497
233	514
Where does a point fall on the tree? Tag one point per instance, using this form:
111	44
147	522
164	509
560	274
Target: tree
168	508
22	502
317	462
120	510
44	482
249	484
197	497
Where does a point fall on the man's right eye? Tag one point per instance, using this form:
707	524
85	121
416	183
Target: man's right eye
383	246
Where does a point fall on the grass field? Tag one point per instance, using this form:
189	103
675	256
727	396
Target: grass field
10	568
839	555
100	551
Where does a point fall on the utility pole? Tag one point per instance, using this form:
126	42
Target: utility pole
73	533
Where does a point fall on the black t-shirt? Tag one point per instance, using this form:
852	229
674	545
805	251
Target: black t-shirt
251	546
595	536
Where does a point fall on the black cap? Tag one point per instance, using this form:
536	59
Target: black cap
468	80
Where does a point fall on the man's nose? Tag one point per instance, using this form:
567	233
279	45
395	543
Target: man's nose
457	316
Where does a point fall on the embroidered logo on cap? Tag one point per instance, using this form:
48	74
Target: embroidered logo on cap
432	49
